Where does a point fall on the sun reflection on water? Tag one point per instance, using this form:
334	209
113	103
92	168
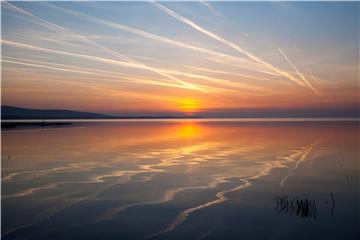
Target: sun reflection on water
163	161
188	130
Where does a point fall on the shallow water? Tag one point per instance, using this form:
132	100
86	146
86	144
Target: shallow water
182	179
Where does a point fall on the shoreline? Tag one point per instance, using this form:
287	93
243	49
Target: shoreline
37	124
242	119
13	123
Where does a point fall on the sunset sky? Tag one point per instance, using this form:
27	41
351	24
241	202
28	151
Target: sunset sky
206	58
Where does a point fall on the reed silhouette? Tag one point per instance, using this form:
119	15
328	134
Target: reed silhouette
301	207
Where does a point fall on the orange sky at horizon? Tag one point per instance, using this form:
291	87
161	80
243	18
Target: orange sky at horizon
186	58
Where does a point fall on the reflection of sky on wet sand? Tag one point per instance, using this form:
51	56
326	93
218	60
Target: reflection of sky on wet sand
166	173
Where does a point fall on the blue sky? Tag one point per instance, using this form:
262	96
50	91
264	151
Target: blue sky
143	57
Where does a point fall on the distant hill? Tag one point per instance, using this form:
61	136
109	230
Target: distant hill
16	113
8	112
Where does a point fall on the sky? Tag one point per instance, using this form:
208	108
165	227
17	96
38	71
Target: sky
182	58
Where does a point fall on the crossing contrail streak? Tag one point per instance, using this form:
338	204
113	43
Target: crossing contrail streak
44	66
221	61
112	75
229	73
155	37
298	72
309	71
223	82
79	55
166	73
228	43
70	67
83	56
55	27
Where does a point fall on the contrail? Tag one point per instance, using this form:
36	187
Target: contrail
228	43
212	10
221	61
87	57
165	73
56	27
229	73
205	4
112	52
80	69
310	73
299	73
84	56
111	75
47	67
114	62
154	37
216	80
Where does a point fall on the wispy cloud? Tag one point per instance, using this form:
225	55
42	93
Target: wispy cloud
228	43
105	75
211	8
299	73
246	76
220	61
253	66
133	62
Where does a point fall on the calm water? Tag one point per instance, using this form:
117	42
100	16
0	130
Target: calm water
182	180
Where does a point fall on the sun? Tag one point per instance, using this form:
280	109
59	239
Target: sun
188	105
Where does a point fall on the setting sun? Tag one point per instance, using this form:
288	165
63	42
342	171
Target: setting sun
188	105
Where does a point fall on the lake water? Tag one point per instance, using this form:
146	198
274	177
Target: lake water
182	179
